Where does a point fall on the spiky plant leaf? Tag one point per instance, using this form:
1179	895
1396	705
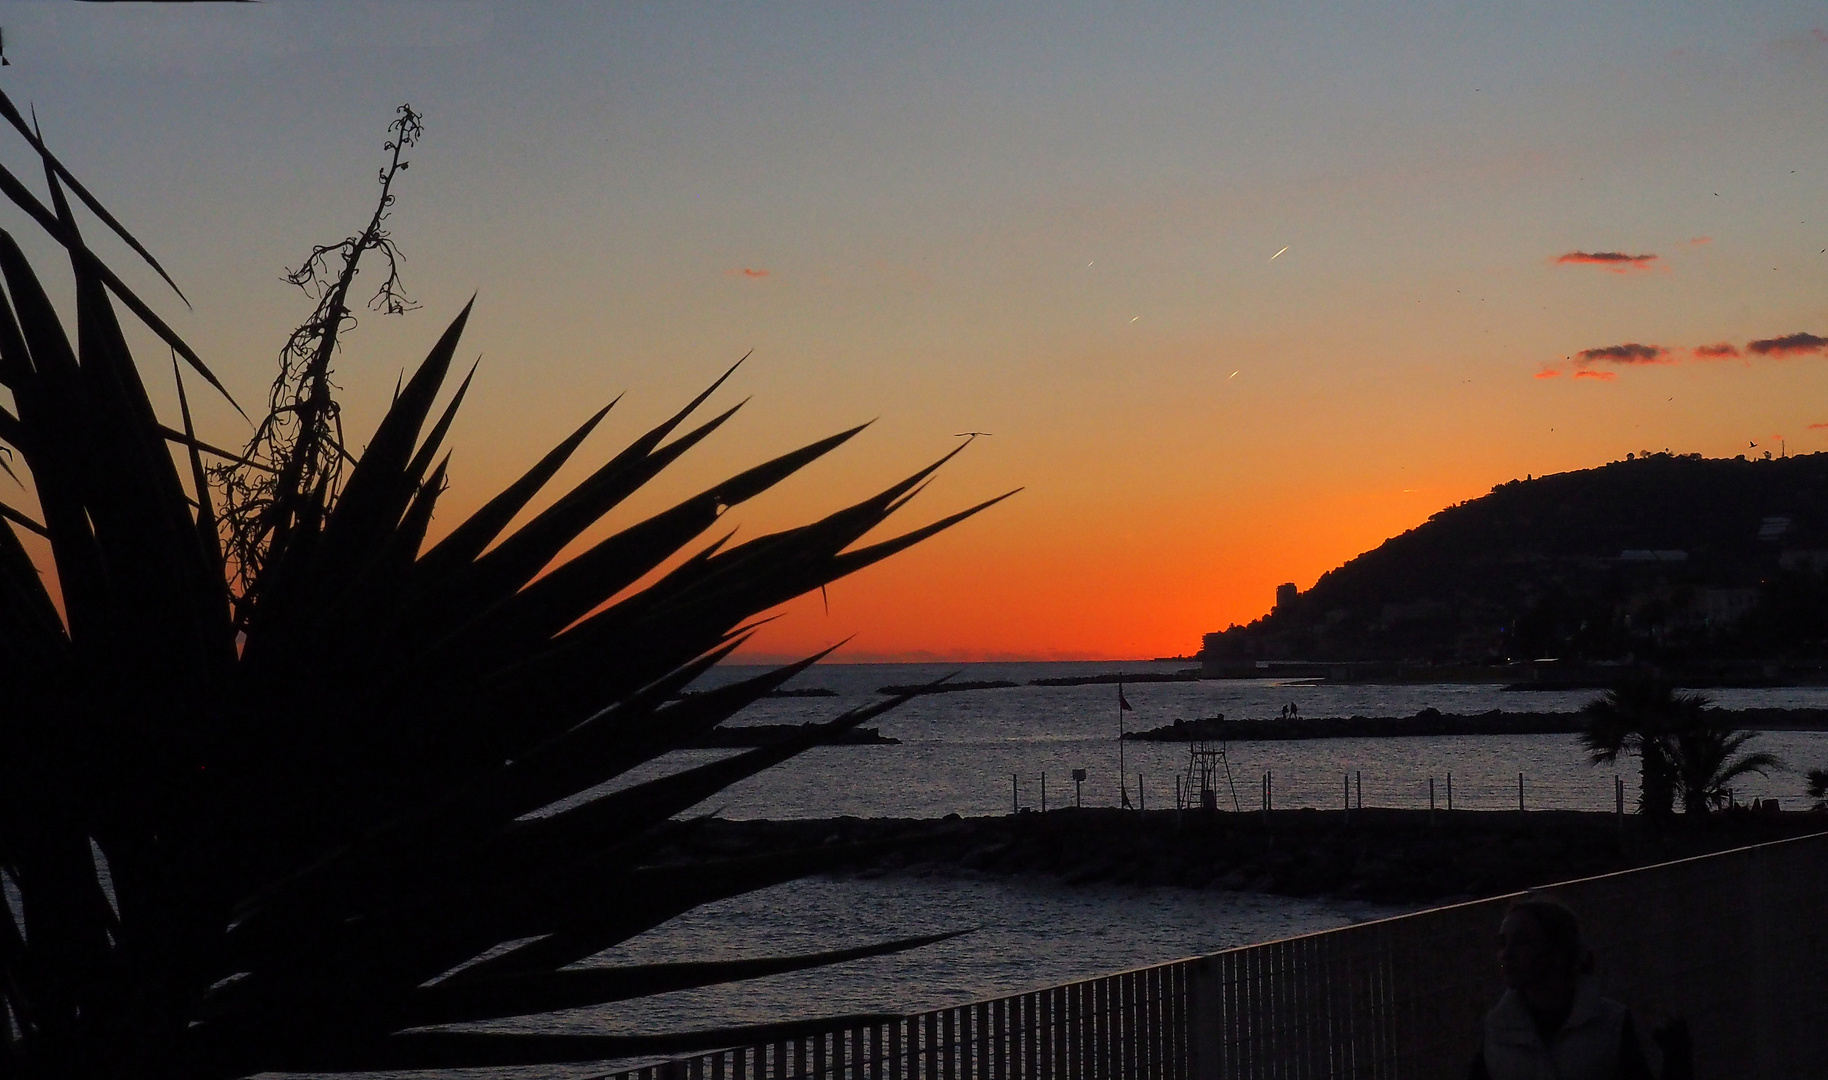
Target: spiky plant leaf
293	849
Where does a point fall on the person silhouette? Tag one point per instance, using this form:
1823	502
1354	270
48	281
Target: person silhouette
1552	1021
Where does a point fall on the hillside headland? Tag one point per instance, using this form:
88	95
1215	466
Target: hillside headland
1710	571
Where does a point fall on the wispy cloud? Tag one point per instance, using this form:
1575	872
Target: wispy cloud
1604	376
747	272
1702	240
1808	50
1797	344
1549	373
1818	427
1616	261
1629	353
1722	350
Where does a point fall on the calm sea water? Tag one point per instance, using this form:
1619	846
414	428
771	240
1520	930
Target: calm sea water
958	754
960	751
1029	935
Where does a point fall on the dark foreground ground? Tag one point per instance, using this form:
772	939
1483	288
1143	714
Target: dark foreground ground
1384	856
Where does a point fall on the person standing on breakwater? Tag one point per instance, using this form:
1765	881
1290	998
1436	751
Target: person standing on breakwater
1552	1024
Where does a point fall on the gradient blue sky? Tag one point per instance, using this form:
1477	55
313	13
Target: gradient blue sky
1049	222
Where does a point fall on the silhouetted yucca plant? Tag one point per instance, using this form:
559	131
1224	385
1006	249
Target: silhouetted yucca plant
225	856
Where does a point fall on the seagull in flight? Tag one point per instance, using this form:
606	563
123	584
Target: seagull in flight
970	434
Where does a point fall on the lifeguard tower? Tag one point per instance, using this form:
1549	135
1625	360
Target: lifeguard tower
1205	760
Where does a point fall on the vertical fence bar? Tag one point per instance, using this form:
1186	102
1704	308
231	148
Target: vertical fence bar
999	1045
930	1043
1170	1026
1121	1063
1081	996
1125	1029
1252	1010
1101	1030
1012	1039
1158	1028
1185	1019
1047	1061
984	1071
1031	1050
1145	1033
951	1044
1272	1012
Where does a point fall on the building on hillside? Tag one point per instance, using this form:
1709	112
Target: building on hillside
1804	560
1716	608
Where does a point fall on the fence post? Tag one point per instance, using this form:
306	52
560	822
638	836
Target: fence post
1520	793
1450	791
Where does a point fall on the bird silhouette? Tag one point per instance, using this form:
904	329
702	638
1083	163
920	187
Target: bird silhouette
967	434
1754	446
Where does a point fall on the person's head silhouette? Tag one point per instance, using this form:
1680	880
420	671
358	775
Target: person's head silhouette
1542	954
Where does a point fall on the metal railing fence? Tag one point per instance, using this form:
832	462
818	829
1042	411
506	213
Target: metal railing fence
1736	943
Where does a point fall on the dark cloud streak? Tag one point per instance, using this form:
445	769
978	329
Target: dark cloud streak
1629	353
1797	344
1616	261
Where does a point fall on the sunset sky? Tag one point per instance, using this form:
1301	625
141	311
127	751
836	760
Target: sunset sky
1511	242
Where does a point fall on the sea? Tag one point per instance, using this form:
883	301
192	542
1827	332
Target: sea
996	750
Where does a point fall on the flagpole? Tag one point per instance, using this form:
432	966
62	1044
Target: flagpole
1123	783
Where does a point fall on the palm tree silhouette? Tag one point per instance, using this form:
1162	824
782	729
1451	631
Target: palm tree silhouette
1706	767
1818	788
1683	748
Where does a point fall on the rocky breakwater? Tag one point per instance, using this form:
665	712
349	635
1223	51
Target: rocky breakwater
1435	722
751	735
1384	856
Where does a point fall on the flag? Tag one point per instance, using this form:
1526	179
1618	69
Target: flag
1123	703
